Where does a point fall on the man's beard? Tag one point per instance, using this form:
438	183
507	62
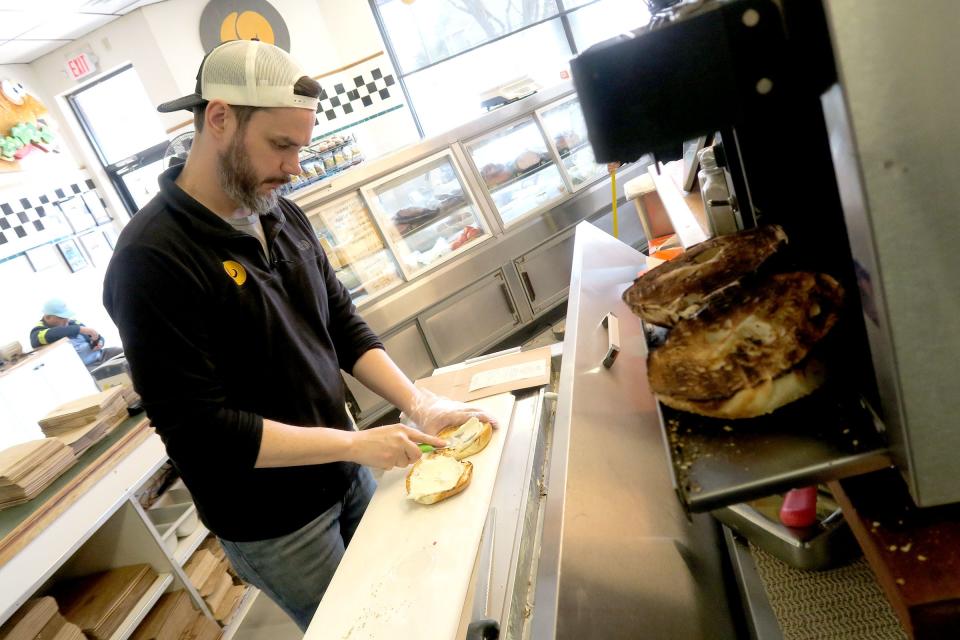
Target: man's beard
240	183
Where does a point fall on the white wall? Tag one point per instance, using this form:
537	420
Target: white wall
36	170
23	292
162	42
354	34
174	26
352	28
126	40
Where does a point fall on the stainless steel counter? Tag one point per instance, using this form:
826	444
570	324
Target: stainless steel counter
618	557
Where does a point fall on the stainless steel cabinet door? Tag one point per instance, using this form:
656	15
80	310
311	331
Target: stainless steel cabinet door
471	320
409	351
545	272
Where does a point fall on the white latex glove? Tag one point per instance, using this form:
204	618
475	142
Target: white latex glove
433	413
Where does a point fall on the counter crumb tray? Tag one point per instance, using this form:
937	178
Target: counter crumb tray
715	463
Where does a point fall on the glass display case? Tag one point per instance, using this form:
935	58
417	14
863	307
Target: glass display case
324	159
567	131
426	212
517	169
364	264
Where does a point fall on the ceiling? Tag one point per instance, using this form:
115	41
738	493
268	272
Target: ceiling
30	29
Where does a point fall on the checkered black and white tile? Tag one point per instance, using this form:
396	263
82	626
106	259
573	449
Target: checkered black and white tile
33	219
357	92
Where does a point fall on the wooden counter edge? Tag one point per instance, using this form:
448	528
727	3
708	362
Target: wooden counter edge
880	570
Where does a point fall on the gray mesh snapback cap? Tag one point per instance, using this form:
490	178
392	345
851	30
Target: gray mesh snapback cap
246	73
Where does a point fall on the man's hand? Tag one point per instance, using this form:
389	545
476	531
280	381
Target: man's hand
434	413
90	333
390	446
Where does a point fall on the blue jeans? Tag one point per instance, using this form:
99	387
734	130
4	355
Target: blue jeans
294	570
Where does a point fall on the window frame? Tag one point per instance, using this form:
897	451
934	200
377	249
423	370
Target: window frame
117	170
563	15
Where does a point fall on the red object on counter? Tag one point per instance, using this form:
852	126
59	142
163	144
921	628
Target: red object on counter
799	507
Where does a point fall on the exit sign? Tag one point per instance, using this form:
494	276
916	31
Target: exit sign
81	66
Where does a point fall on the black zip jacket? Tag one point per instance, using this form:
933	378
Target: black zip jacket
219	337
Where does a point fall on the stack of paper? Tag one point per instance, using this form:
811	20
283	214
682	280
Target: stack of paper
170	619
209	571
82	422
201	567
99	603
203	628
229	603
130	396
27	469
38	619
82	411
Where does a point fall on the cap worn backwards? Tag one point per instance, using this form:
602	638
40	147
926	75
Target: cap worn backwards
246	73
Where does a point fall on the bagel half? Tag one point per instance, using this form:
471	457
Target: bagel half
682	287
750	356
468	439
766	397
437	476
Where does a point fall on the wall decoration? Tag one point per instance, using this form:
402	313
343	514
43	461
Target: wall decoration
43	257
362	90
95	205
96	247
110	236
30	218
77	214
226	20
24	125
71	253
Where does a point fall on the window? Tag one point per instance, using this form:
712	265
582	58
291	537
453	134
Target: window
599	21
429	31
450	52
122	126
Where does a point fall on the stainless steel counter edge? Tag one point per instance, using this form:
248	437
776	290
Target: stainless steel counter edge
761	619
617	551
543	623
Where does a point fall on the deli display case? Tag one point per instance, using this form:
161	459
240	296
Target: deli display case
323	159
445	260
567	131
354	246
517	169
427	213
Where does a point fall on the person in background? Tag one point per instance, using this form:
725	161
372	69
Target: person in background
236	330
59	322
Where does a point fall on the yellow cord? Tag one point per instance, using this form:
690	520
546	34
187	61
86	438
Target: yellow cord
613	195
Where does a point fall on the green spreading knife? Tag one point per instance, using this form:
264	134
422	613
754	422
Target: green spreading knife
451	442
429	448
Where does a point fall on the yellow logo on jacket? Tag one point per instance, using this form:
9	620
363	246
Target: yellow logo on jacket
236	271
